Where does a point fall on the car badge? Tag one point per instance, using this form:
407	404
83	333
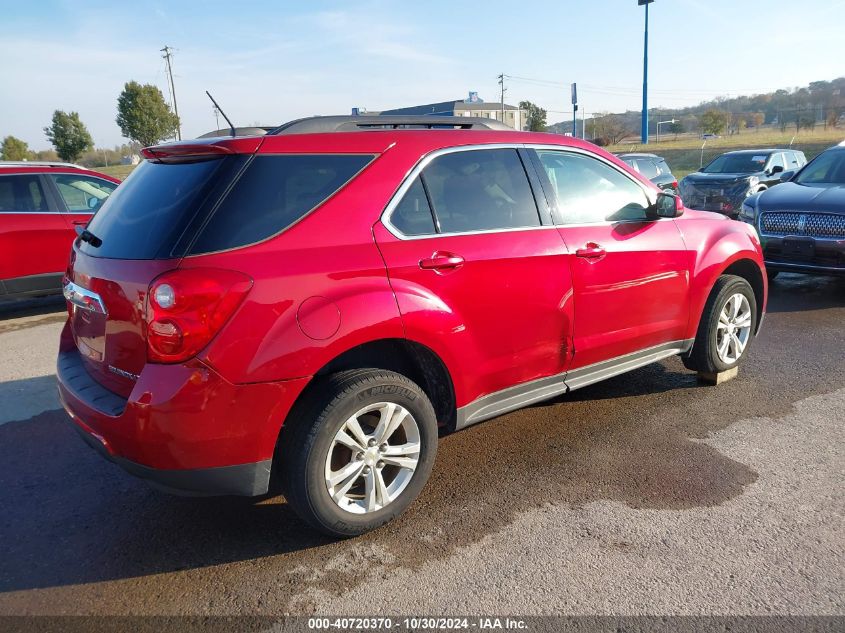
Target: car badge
802	222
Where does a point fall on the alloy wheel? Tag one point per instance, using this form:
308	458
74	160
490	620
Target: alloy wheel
733	329
372	458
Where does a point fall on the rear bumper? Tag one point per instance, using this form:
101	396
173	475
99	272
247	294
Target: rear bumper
242	479
184	427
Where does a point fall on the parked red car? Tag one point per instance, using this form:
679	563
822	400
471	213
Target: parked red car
312	306
40	206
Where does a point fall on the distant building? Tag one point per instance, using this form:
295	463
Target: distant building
471	106
132	159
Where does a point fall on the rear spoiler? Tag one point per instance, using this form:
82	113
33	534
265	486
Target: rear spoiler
197	150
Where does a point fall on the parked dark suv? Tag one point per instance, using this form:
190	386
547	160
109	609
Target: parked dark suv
315	305
653	167
730	178
802	222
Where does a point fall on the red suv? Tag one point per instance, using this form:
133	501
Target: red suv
41	204
311	307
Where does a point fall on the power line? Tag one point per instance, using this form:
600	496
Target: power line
167	55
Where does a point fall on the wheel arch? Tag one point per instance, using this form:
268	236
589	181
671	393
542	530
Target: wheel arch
742	264
750	271
411	359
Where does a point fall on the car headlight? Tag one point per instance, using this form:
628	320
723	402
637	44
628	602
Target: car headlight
747	213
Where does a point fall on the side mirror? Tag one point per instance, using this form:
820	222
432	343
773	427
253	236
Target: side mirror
776	170
667	205
93	202
787	175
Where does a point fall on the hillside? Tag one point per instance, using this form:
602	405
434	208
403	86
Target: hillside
819	104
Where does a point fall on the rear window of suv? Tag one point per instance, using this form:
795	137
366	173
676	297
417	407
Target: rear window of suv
166	210
146	215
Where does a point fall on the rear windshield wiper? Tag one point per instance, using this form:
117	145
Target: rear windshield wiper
87	236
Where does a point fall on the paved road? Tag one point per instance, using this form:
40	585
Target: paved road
646	494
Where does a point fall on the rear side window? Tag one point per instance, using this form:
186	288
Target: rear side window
22	193
663	168
412	216
480	190
273	193
147	214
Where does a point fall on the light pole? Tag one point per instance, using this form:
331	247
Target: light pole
644	131
659	123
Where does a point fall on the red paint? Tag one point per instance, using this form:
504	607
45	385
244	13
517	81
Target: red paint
498	309
36	243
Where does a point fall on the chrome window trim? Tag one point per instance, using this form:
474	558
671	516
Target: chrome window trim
415	171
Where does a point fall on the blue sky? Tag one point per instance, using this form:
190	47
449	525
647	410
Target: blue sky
268	62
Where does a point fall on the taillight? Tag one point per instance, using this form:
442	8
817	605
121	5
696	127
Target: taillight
675	185
186	308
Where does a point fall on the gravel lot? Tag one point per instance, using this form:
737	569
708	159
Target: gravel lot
647	494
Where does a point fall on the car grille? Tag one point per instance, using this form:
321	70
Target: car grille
828	225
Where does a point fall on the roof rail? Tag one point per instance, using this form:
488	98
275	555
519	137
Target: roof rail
324	124
38	163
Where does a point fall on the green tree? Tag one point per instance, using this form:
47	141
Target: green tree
676	128
714	122
68	135
535	117
14	149
143	116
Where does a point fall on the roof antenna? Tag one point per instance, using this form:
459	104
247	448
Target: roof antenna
231	127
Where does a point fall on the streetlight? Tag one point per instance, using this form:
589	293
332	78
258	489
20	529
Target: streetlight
659	123
644	132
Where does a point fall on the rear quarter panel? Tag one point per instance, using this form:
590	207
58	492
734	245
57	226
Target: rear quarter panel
321	286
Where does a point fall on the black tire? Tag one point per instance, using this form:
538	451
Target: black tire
309	434
771	274
704	356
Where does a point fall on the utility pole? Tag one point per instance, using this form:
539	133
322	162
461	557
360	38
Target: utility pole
502	86
644	131
167	55
574	89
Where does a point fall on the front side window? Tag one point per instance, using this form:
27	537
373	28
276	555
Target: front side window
777	160
480	190
588	191
83	193
22	193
